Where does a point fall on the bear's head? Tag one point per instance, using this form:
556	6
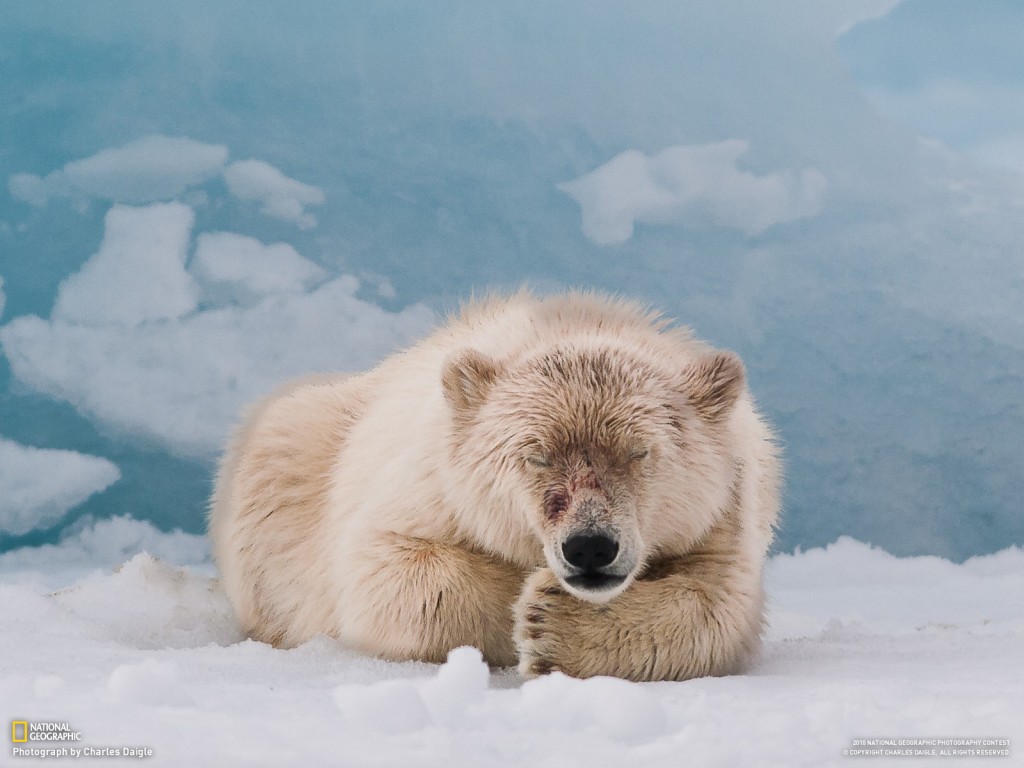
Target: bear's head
610	458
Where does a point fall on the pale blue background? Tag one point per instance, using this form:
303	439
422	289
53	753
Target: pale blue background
884	335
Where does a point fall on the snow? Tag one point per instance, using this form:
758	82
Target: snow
281	197
690	184
721	161
185	383
235	269
149	169
142	261
38	486
93	546
860	645
457	698
150	682
178	375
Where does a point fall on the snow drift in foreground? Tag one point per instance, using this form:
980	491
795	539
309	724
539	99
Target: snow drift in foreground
861	645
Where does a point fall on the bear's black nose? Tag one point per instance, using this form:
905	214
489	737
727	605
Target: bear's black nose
590	552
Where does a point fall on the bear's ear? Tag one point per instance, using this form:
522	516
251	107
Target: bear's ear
467	378
714	383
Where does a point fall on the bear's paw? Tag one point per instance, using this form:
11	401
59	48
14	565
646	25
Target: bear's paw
556	632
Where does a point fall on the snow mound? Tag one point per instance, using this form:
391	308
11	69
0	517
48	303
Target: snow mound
39	486
893	594
459	685
149	604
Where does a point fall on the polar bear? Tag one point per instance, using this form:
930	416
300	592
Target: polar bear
566	483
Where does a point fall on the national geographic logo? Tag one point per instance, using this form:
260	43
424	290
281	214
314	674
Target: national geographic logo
24	731
50	739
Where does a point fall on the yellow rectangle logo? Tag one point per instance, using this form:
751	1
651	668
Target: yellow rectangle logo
24	731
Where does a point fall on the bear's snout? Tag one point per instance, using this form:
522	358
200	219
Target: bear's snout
594	567
590	553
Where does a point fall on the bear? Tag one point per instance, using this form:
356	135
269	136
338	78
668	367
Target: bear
568	483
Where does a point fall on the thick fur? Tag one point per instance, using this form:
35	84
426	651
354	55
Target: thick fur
425	504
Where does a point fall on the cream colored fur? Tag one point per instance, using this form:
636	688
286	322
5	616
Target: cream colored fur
424	504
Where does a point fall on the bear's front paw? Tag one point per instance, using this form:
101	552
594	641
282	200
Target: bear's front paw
549	628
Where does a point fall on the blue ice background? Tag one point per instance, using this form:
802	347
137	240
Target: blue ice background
883	336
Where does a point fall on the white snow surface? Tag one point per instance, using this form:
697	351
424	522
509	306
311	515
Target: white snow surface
38	486
860	645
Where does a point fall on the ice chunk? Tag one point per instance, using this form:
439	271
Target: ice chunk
38	486
281	197
184	382
237	269
398	706
690	183
146	170
138	275
461	681
126	346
